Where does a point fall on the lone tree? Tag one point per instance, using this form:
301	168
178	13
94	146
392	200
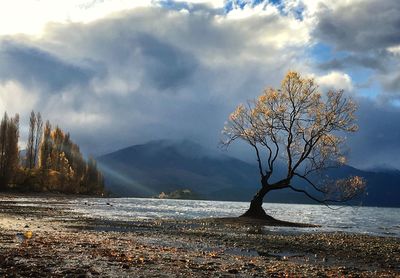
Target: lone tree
301	129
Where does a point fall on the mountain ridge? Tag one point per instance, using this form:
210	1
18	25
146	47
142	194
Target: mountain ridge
147	169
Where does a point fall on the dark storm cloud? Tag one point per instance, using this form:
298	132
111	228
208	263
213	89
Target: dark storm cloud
371	62
132	47
360	26
377	141
32	66
166	65
392	84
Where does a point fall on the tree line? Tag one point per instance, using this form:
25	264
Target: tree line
52	162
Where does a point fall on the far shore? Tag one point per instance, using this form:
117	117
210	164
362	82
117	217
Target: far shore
15	194
48	241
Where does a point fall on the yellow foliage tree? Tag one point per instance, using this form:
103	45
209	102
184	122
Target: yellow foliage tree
301	127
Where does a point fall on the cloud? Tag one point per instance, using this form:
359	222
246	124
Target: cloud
359	25
363	35
16	99
176	69
32	67
394	50
336	81
152	73
16	16
167	66
362	61
378	137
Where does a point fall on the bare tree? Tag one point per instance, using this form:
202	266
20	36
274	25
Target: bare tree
302	129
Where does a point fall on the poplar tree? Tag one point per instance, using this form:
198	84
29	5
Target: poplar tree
30	146
9	151
45	148
38	138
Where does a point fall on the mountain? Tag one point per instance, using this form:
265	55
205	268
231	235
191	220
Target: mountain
148	169
165	166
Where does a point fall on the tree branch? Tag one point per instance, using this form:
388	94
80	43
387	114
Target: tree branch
324	202
260	168
309	182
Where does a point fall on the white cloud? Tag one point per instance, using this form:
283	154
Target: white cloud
31	16
211	3
394	50
14	98
335	80
268	27
250	11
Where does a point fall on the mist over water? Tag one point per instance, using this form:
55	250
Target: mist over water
362	220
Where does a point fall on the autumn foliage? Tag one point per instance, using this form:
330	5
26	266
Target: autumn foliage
52	163
9	134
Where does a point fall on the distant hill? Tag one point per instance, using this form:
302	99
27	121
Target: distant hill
165	166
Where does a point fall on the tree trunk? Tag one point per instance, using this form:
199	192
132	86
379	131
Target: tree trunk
256	210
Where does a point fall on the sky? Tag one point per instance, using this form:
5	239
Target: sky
115	73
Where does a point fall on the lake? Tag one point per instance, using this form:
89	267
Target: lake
364	220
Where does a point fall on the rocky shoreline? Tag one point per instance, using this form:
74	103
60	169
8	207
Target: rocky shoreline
65	244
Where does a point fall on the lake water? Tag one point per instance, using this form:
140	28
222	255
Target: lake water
365	220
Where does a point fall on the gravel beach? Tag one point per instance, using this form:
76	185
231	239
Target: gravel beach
51	242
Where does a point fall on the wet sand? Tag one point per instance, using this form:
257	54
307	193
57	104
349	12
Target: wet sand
66	244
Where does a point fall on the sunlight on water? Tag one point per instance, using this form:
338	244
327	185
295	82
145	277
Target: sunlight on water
365	220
